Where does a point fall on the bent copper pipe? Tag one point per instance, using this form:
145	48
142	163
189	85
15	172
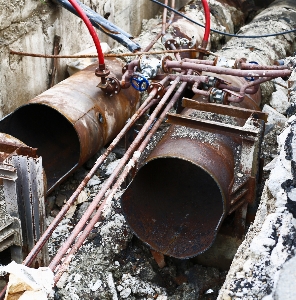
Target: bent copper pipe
125	80
233	72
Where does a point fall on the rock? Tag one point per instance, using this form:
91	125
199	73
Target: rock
285	289
279	101
274	117
95	180
61	200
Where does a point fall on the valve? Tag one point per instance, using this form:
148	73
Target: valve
139	82
217	96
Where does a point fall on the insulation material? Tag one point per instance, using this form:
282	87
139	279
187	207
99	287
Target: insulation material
28	284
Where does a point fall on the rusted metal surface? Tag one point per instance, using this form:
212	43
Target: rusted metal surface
182	193
64	248
71	121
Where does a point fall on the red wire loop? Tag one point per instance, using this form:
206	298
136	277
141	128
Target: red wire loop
207	20
91	30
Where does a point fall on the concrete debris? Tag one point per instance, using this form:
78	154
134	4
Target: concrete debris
279	100
274	117
28	284
270	241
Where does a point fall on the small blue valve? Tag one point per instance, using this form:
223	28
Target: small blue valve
139	82
251	78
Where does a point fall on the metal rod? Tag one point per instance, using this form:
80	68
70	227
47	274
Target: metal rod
233	72
94	55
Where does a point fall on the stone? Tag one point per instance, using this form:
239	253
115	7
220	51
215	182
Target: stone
274	117
285	289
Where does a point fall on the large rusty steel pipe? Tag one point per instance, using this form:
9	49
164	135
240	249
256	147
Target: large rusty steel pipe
44	238
70	122
64	248
117	185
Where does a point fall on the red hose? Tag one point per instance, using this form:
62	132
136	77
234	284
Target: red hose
90	29
207	20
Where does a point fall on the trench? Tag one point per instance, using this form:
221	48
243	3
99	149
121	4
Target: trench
114	263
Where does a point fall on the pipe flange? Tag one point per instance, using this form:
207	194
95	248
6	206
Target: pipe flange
163	64
159	87
170	42
102	72
113	86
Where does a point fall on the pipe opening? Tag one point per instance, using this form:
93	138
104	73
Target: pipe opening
40	126
174	206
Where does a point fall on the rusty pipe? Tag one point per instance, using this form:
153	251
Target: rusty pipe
233	72
117	185
66	245
70	122
125	81
160	34
164	16
44	238
243	90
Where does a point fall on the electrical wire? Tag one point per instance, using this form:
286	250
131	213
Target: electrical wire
224	33
91	30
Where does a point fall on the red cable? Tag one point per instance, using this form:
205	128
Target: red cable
207	19
90	29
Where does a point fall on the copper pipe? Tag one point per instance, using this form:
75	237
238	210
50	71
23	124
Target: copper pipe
44	238
125	81
118	183
161	33
177	55
233	72
244	88
66	245
248	66
199	61
189	78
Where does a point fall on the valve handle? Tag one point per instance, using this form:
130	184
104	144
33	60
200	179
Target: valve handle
139	82
251	78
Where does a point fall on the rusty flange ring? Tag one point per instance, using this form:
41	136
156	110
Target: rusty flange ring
170	42
159	87
113	86
164	68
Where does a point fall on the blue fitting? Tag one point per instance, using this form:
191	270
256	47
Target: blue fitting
139	82
251	78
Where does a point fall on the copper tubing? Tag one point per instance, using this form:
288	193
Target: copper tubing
199	61
164	16
117	185
44	238
197	91
177	55
245	87
221	70
125	81
248	66
189	78
66	245
161	33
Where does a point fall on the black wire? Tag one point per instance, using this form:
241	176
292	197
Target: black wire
220	32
